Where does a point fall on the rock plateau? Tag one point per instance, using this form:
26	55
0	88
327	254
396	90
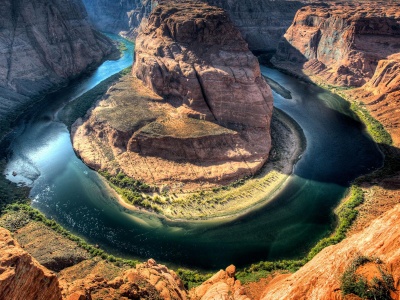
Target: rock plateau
208	109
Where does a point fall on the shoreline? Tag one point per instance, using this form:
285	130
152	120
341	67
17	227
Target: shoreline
289	143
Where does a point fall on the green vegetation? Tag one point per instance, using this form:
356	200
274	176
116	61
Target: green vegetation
122	46
133	191
34	215
377	288
374	127
192	278
79	107
346	216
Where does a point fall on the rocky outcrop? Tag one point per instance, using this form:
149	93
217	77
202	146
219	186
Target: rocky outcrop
147	281
340	44
320	278
43	44
211	112
381	95
21	276
220	286
262	23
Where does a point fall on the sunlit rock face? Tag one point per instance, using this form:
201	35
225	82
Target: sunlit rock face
340	43
199	100
44	43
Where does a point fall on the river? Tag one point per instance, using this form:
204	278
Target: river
65	189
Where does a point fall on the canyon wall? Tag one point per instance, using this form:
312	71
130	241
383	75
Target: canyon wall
197	102
43	44
320	278
261	22
340	44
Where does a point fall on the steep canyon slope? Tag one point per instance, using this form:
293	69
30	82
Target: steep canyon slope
208	109
43	44
261	22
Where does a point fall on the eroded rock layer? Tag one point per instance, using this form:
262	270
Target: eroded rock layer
341	44
21	276
319	279
42	45
208	122
381	95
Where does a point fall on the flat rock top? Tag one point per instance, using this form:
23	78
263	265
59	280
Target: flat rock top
189	22
354	11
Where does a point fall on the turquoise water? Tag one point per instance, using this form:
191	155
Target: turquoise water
338	150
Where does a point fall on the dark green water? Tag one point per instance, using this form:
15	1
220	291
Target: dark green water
338	150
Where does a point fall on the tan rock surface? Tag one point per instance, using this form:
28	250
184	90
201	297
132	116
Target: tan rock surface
319	279
220	286
21	276
340	44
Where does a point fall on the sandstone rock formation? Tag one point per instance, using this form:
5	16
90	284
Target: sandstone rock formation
261	22
21	276
381	95
44	44
221	286
340	44
147	281
319	279
214	115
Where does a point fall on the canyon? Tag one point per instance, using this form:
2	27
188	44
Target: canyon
175	113
200	104
43	46
261	23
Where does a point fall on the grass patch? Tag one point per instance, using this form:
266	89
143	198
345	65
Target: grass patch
374	127
377	288
192	278
35	215
78	108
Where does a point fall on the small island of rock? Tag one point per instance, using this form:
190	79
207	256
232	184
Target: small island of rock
195	113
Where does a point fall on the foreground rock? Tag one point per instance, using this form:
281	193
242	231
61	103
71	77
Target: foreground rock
340	44
320	278
220	286
21	276
43	44
147	281
213	116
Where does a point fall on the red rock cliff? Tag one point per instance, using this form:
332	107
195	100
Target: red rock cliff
21	276
340	43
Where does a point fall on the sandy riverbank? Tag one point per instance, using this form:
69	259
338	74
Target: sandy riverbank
239	198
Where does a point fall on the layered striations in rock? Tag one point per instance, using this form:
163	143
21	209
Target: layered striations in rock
21	276
211	123
381	95
319	279
42	45
340	44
